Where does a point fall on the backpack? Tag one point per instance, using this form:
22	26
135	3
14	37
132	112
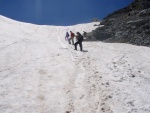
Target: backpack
81	38
72	35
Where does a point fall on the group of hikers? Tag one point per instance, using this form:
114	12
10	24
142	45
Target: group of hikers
79	39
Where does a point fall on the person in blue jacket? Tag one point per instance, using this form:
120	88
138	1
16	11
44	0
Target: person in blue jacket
67	36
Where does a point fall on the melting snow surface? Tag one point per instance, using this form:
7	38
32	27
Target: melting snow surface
41	73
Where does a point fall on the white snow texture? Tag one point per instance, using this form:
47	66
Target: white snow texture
41	73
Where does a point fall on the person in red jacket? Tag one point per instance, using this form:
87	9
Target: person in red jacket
71	38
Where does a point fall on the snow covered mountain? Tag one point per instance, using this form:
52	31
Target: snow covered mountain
41	73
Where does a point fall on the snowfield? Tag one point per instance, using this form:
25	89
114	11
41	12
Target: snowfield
41	73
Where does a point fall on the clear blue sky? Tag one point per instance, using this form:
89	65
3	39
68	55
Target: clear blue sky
59	12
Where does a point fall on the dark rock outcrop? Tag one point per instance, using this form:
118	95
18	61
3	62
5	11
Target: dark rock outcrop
95	20
128	25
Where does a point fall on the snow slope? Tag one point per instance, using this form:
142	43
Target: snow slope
41	73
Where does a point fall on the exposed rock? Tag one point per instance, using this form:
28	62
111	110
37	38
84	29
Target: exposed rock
95	20
128	25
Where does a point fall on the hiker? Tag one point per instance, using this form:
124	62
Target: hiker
67	36
71	38
84	33
79	41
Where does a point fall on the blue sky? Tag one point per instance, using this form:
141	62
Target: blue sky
59	12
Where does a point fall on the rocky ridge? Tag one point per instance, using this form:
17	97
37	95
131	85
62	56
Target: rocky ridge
128	25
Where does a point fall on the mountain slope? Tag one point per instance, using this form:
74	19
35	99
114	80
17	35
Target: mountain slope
41	73
127	25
